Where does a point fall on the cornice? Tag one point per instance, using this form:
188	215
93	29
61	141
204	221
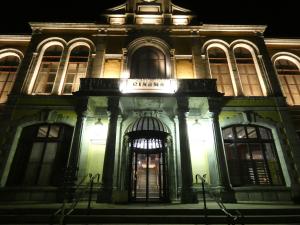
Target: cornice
15	38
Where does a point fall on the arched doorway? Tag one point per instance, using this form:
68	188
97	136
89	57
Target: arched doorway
148	169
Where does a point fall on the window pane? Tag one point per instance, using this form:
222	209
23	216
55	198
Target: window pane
54	131
240	132
228	133
43	131
273	164
243	152
33	165
47	164
251	131
264	133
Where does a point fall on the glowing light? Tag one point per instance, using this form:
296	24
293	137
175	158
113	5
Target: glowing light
180	21
148	19
97	133
117	20
168	86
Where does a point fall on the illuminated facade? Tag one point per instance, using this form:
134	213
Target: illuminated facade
148	100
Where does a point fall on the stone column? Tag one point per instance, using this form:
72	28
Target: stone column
98	60
89	69
105	194
236	75
81	110
187	193
266	62
199	62
61	72
217	160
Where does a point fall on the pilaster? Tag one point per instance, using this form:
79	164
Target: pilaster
187	193
105	194
217	160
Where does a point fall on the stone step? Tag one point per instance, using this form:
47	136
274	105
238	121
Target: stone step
150	216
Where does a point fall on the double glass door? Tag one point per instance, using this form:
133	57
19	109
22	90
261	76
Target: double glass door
148	176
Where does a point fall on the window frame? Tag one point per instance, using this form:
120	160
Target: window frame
247	141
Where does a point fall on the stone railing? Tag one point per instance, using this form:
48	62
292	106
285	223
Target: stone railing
107	86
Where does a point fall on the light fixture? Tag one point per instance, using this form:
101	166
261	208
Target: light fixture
196	123
99	122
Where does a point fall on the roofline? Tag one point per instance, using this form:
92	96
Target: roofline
15	37
282	41
203	27
230	27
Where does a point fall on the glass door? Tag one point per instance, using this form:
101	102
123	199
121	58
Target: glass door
148	177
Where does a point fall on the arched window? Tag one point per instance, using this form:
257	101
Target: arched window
220	70
77	68
148	62
247	72
251	156
41	155
289	76
48	69
8	68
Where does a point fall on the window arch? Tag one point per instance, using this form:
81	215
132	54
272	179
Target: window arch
76	69
289	77
220	70
148	62
41	155
248	73
251	156
48	70
9	64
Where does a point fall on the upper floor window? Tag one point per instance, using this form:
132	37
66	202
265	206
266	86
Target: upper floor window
77	68
148	63
251	156
8	68
248	74
48	70
219	70
289	77
41	155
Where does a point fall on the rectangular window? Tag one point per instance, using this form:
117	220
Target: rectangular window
75	71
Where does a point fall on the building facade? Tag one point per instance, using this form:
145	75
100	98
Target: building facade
151	101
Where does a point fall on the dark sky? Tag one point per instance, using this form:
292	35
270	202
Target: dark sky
282	17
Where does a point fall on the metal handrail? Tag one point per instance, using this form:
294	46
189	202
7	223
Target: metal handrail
233	218
77	198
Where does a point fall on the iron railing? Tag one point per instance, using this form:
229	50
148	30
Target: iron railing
232	219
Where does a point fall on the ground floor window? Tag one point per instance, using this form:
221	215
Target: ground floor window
41	155
251	156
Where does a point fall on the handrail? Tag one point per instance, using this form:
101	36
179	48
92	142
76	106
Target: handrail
77	198
233	218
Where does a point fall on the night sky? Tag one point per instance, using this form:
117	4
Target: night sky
282	17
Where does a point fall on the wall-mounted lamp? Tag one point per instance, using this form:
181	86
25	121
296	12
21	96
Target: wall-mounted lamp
99	122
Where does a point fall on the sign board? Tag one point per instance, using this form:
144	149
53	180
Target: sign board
167	86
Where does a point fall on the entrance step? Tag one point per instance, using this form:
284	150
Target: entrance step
124	215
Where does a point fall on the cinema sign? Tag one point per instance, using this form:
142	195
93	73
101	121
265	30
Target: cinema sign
167	86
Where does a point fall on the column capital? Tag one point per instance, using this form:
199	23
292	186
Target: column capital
182	104
81	107
215	105
113	104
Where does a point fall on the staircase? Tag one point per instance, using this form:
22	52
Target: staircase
150	214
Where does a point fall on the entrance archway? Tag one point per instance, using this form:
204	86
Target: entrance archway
148	169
